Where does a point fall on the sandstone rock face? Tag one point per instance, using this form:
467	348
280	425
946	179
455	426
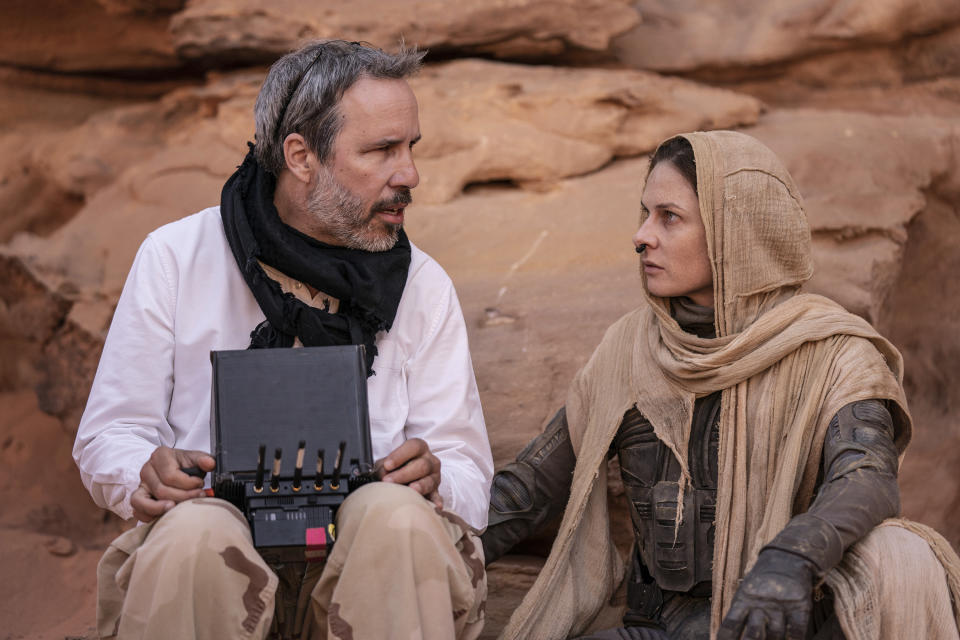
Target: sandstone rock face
51	535
579	234
251	30
130	169
83	36
485	121
124	36
141	166
138	167
131	182
863	179
530	189
733	33
541	276
142	6
925	57
923	318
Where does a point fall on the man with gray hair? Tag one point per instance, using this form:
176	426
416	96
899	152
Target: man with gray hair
307	248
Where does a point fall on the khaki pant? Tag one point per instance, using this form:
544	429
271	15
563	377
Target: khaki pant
400	568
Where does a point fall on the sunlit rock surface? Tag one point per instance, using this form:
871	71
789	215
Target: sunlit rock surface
118	116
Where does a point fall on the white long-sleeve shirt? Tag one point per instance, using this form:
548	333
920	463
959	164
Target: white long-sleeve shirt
185	297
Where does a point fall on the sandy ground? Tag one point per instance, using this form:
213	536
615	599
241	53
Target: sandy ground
51	533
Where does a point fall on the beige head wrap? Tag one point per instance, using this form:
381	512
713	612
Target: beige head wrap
785	363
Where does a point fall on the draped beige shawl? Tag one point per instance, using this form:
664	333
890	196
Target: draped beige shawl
785	362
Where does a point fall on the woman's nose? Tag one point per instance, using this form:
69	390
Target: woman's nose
643	237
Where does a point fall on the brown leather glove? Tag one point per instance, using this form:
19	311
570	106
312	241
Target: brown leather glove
774	600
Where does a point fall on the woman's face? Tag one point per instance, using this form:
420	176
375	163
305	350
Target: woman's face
675	260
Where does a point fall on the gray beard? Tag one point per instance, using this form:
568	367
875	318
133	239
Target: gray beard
339	213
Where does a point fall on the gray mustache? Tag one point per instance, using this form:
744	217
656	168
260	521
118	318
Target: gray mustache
402	196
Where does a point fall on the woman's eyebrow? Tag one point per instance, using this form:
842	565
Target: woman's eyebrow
670	205
663	205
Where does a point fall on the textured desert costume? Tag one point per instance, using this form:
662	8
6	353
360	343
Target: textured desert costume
786	372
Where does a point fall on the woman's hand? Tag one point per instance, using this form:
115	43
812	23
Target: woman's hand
774	599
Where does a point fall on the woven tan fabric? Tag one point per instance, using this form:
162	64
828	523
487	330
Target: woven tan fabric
785	362
891	585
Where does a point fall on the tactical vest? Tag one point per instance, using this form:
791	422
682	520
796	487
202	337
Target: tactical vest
677	557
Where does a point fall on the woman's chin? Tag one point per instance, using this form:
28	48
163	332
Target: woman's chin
661	292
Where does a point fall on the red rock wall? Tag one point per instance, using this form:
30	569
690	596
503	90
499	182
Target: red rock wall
117	116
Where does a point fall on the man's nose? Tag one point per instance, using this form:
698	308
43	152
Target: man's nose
405	173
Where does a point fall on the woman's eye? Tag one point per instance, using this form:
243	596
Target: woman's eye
670	216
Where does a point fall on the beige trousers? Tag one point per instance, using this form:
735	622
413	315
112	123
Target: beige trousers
400	568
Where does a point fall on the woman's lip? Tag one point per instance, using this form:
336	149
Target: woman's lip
649	267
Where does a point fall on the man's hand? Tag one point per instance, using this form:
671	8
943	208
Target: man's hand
774	600
412	464
163	484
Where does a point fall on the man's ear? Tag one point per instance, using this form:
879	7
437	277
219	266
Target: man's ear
298	157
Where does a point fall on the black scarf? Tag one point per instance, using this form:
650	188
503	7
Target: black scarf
368	284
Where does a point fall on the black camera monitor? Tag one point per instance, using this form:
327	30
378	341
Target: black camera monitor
290	433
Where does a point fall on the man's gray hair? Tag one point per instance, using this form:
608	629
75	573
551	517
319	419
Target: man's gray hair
302	93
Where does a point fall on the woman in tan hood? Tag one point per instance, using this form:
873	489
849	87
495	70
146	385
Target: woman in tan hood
757	430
